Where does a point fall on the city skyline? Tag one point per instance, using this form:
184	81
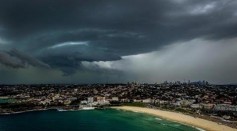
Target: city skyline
113	41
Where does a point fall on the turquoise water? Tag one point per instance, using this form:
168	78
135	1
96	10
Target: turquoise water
92	120
3	101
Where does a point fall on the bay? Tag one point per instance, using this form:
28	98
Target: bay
87	120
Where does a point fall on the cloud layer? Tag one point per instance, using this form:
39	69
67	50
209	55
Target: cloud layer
17	59
68	35
192	60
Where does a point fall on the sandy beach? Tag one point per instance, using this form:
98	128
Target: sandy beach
181	118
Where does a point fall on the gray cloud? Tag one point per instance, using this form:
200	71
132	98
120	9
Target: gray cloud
111	29
28	59
17	59
192	60
8	60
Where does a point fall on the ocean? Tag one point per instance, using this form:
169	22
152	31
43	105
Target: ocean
88	120
6	100
3	101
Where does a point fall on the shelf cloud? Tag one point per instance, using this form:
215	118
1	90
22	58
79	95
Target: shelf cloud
69	38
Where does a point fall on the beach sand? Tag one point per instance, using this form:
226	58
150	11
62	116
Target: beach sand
181	118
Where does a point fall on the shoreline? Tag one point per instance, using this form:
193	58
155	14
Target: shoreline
180	118
35	110
20	112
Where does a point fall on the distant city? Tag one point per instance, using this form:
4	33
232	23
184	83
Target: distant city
200	99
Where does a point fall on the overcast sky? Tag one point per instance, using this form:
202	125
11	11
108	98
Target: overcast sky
100	41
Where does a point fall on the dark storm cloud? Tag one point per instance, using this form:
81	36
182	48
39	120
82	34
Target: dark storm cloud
27	59
10	61
111	28
17	59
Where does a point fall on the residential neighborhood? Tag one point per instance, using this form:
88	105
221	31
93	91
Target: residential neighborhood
196	98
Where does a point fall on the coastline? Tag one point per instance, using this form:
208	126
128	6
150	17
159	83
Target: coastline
19	112
180	118
46	109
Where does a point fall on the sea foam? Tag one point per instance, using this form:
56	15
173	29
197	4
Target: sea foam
158	119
